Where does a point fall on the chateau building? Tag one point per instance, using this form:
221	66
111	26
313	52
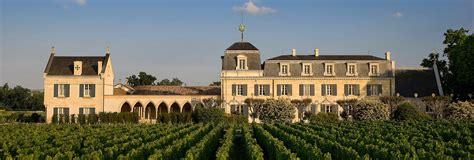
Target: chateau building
85	85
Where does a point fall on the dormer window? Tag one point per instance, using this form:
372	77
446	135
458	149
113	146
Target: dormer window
329	69
374	69
351	69
241	62
306	69
284	69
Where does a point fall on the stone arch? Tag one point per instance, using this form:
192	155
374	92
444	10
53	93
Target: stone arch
187	107
126	107
175	108
138	108
150	111
162	108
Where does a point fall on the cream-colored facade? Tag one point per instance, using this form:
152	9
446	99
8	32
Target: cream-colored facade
83	85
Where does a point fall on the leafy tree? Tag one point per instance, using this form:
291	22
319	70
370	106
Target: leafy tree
19	98
392	102
174	82
277	110
323	117
301	105
202	114
142	79
254	106
460	111
212	102
370	110
437	105
347	107
217	83
406	111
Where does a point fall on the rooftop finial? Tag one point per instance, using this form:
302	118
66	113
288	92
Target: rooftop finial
242	27
107	50
53	50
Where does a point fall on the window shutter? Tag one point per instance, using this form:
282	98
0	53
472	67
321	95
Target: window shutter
267	90
66	88
288	87
379	89
91	110
55	90
81	110
246	109
356	88
313	108
322	109
334	89
323	89
233	90
55	110
255	90
81	90
244	90
311	89
346	89
301	90
92	90
278	89
66	111
369	91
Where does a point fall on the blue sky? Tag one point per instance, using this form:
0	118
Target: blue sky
185	38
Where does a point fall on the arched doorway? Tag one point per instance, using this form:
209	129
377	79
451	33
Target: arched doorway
150	111
126	107
162	108
175	108
138	108
187	108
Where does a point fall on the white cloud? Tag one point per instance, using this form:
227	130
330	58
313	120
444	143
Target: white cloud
397	14
252	8
80	2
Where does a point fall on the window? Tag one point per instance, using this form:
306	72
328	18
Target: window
306	90
284	69
241	62
374	69
239	109
328	89
87	110
284	90
261	90
329	69
61	90
239	90
351	69
306	69
328	108
87	90
374	90
61	110
351	89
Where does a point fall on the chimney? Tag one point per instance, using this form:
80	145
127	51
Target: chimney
99	67
77	68
316	52
388	56
293	52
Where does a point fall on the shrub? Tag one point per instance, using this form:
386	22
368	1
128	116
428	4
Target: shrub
202	114
114	117
277	110
460	111
370	110
81	118
407	111
323	117
55	118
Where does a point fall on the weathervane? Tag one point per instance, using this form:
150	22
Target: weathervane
242	27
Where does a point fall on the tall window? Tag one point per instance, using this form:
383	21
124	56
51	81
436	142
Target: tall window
261	90
242	64
374	69
329	90
87	110
328	108
305	90
284	90
329	69
240	90
284	69
87	90
351	69
61	90
306	69
61	110
351	89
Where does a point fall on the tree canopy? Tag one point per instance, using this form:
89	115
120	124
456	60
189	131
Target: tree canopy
146	79
19	98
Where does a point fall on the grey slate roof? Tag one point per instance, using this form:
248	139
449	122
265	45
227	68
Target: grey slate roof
242	46
411	81
62	65
326	57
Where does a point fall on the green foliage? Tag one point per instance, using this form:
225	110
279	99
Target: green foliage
174	82
224	151
370	110
21	116
142	79
323	117
407	112
252	149
20	99
460	111
274	148
205	114
114	117
277	110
